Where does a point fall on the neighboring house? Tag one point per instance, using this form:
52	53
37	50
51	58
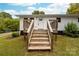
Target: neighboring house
40	21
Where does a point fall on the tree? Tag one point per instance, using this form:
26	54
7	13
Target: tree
73	9
36	12
5	15
2	28
7	23
41	12
12	24
2	25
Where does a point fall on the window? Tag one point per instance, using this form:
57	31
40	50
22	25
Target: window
50	19
25	18
59	19
32	18
78	19
40	19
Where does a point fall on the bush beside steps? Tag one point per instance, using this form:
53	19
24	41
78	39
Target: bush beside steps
15	34
71	29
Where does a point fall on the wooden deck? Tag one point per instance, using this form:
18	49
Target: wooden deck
40	39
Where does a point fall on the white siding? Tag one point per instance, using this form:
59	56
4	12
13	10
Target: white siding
61	25
21	24
65	20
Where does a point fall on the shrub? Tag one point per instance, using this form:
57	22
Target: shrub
71	29
15	34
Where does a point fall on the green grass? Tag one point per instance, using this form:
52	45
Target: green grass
64	46
12	46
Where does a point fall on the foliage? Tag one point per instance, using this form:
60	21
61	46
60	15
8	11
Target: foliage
41	12
5	15
12	24
7	23
2	28
37	12
71	30
73	9
15	34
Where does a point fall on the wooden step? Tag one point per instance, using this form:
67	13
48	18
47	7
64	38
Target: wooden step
40	35
35	40
41	38
39	48
45	42
39	44
40	32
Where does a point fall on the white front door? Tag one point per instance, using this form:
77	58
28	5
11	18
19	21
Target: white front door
40	24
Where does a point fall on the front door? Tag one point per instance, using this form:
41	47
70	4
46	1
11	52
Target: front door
40	24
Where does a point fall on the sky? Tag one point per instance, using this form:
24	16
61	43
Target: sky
28	8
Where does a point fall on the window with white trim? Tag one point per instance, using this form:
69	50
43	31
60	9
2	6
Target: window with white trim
59	19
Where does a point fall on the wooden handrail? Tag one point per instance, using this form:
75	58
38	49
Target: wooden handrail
49	27
29	29
29	32
50	32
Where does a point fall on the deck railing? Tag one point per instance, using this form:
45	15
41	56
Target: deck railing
54	26
29	32
50	31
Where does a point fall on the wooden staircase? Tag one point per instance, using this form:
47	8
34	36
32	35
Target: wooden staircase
39	40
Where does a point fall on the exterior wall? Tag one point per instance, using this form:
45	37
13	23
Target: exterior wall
65	20
61	25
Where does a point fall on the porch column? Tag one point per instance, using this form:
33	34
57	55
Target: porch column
21	24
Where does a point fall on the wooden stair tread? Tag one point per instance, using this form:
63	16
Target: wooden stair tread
39	44
40	32
47	42
41	38
37	40
39	47
39	35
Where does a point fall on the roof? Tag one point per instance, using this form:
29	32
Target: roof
50	15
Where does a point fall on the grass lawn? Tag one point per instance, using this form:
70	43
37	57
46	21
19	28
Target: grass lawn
12	46
64	46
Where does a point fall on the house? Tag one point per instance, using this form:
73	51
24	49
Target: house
40	21
39	25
